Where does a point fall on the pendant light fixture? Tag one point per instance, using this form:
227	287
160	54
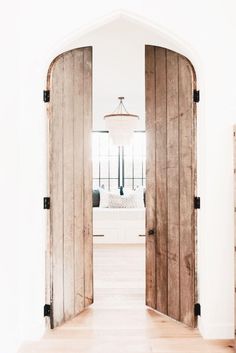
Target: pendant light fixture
121	124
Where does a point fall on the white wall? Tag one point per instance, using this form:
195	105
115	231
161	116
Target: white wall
118	70
205	32
8	183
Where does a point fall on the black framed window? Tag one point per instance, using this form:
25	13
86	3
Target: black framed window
134	162
115	166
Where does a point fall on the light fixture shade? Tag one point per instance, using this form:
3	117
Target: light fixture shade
121	125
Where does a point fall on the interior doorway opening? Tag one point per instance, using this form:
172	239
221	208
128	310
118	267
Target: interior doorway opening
168	85
119	181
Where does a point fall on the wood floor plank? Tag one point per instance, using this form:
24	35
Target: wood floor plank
120	328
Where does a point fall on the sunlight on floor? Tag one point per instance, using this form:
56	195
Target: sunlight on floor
119	321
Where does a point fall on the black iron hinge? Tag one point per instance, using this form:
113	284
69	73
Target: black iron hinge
196	96
197	202
197	309
47	310
46	203
46	96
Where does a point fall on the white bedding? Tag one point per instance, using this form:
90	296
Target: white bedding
130	214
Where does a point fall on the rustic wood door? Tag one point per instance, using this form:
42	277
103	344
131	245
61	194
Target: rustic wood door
170	214
70	281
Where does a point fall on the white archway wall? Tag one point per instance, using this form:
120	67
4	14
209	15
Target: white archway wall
40	30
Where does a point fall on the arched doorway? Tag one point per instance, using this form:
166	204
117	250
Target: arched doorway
171	179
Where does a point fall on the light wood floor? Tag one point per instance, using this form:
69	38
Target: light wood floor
118	321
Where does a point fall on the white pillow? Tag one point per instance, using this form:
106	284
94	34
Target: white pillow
103	198
139	192
132	200
115	201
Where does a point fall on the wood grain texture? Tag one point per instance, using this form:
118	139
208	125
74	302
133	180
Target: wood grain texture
88	206
68	186
119	322
78	179
234	143
150	177
57	195
70	116
187	192
161	182
170	120
173	192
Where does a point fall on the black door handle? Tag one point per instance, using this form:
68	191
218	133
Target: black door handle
151	232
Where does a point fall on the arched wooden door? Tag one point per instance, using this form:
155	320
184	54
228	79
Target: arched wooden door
170	214
70	279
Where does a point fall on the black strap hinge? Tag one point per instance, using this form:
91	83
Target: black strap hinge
196	96
46	203
197	309
46	96
197	202
47	310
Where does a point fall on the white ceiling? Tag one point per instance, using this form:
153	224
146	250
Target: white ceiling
118	67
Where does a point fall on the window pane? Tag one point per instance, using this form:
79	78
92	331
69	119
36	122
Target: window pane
113	167
104	167
104	183
137	182
113	150
128	184
144	169
128	167
128	151
95	168
133	155
134	160
95	145
138	168
113	184
140	144
95	184
103	144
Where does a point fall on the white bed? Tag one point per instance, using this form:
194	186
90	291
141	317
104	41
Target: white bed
118	225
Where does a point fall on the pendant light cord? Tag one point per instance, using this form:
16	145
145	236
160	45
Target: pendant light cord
120	108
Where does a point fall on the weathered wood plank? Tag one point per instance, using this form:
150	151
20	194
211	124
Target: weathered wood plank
68	127
171	81
234	143
56	192
49	243
70	171
88	231
78	178
161	182
187	235
150	78
173	184
194	189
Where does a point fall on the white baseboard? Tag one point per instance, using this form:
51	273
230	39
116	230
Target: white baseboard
216	331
